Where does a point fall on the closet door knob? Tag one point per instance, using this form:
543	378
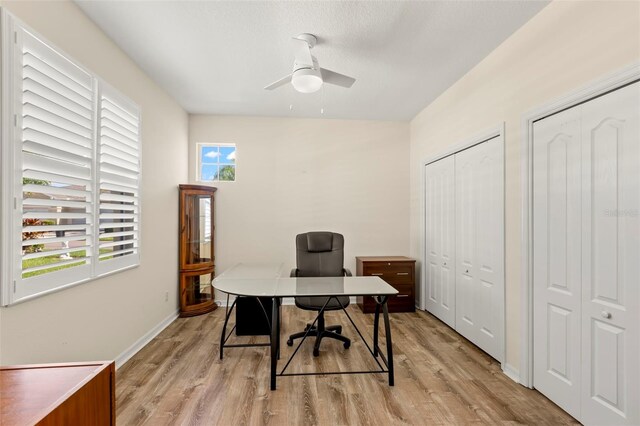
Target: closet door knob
466	272
606	314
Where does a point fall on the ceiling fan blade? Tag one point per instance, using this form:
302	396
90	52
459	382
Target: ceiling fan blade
281	82
302	52
338	79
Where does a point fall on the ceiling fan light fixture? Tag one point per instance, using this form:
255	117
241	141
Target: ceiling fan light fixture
307	76
306	80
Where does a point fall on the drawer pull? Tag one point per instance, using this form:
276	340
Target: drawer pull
377	273
402	273
403	295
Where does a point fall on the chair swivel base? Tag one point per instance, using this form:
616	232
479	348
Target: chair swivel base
331	332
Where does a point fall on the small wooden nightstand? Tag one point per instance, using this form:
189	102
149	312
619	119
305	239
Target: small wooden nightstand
399	271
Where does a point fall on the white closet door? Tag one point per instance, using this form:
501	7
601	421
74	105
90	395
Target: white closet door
557	258
611	258
439	223
479	182
586	258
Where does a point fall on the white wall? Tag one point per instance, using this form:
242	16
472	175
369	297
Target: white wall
299	175
101	319
561	49
356	177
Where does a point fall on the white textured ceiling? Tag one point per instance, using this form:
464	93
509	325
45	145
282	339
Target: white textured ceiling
215	57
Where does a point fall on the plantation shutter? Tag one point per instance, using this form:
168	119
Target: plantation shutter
119	182
54	116
70	171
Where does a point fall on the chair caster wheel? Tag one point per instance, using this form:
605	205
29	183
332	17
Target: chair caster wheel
316	352
347	345
289	342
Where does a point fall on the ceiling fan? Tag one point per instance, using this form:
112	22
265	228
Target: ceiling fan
307	76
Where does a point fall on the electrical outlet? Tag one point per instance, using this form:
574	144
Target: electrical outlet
166	296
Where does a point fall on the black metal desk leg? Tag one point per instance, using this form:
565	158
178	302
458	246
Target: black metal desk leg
387	332
223	335
376	321
279	319
275	321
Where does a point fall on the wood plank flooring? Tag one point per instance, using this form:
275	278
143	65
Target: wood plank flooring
441	378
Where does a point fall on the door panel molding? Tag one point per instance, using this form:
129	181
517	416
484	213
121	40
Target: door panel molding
598	87
557	253
482	136
479	236
439	223
428	269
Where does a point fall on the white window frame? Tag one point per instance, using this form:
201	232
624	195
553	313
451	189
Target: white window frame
12	289
199	161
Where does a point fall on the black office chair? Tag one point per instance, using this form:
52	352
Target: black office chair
320	254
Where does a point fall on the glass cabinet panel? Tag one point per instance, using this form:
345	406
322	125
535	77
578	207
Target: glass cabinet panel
197	230
199	243
196	289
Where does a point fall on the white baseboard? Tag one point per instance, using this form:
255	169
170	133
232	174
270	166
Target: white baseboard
511	372
142	342
285	301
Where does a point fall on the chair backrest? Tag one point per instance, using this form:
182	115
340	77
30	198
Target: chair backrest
320	254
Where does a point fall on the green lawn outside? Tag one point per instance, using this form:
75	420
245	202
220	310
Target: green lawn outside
47	260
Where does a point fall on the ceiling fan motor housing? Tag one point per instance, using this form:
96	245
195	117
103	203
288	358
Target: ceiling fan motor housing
306	79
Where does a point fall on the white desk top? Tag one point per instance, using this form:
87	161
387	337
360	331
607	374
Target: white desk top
266	280
255	271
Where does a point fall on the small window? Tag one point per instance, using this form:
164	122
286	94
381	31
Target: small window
216	162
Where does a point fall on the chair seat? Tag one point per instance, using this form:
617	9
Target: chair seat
315	303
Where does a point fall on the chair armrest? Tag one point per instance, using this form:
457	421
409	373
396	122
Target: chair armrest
294	273
347	273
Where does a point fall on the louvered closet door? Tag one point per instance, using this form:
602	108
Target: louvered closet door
440	240
55	129
611	258
479	230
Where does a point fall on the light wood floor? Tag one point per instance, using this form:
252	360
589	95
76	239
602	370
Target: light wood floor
440	379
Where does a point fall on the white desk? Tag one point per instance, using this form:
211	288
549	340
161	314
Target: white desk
251	280
293	287
259	271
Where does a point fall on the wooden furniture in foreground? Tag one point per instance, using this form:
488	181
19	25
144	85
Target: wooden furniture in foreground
399	271
197	260
80	393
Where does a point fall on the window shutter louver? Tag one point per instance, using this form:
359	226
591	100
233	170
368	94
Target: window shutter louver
55	113
70	169
119	182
